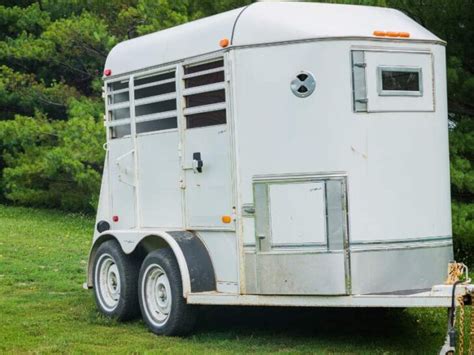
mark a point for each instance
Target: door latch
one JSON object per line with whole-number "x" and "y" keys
{"x": 197, "y": 162}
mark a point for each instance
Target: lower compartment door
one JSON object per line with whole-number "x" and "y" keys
{"x": 301, "y": 235}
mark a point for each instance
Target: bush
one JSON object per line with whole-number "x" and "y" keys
{"x": 55, "y": 164}
{"x": 463, "y": 231}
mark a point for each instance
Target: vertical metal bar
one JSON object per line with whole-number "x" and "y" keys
{"x": 133, "y": 133}
{"x": 236, "y": 197}
{"x": 180, "y": 105}
{"x": 347, "y": 251}
{"x": 359, "y": 86}
{"x": 107, "y": 140}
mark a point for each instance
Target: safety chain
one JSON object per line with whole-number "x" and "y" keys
{"x": 471, "y": 342}
{"x": 461, "y": 323}
{"x": 456, "y": 272}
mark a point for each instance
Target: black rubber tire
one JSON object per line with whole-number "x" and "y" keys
{"x": 128, "y": 268}
{"x": 182, "y": 317}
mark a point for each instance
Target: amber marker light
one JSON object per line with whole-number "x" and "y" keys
{"x": 392, "y": 34}
{"x": 224, "y": 42}
{"x": 226, "y": 219}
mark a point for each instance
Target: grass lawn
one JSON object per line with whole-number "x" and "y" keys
{"x": 43, "y": 308}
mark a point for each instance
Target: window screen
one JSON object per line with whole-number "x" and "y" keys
{"x": 118, "y": 108}
{"x": 204, "y": 94}
{"x": 400, "y": 81}
{"x": 155, "y": 102}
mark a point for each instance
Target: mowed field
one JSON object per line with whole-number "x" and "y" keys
{"x": 43, "y": 308}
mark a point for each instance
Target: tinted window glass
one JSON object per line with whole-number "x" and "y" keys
{"x": 202, "y": 67}
{"x": 205, "y": 98}
{"x": 153, "y": 78}
{"x": 155, "y": 107}
{"x": 119, "y": 114}
{"x": 118, "y": 85}
{"x": 117, "y": 98}
{"x": 205, "y": 79}
{"x": 157, "y": 125}
{"x": 205, "y": 119}
{"x": 393, "y": 80}
{"x": 155, "y": 90}
{"x": 120, "y": 131}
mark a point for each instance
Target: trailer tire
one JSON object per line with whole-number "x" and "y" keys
{"x": 115, "y": 282}
{"x": 162, "y": 304}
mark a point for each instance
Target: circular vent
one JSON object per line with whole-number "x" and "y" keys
{"x": 303, "y": 84}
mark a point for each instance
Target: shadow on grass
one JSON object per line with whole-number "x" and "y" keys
{"x": 386, "y": 328}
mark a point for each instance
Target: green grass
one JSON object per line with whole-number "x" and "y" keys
{"x": 43, "y": 308}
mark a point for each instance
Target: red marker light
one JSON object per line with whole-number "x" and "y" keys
{"x": 107, "y": 72}
{"x": 115, "y": 218}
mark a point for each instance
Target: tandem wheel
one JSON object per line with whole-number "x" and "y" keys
{"x": 115, "y": 282}
{"x": 160, "y": 294}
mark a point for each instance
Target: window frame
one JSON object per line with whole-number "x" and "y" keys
{"x": 156, "y": 99}
{"x": 203, "y": 89}
{"x": 112, "y": 123}
{"x": 415, "y": 93}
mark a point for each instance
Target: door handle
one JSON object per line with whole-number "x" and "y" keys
{"x": 197, "y": 162}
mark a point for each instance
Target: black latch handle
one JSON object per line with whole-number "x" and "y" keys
{"x": 197, "y": 162}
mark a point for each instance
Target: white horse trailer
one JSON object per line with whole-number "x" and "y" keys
{"x": 286, "y": 154}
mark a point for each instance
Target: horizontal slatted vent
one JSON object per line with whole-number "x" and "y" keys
{"x": 204, "y": 94}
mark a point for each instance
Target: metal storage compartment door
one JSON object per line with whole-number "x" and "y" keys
{"x": 297, "y": 214}
{"x": 301, "y": 235}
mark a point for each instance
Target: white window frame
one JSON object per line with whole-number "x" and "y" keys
{"x": 382, "y": 92}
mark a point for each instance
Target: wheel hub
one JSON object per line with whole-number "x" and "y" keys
{"x": 108, "y": 282}
{"x": 157, "y": 294}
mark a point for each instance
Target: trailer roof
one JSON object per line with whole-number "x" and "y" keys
{"x": 260, "y": 23}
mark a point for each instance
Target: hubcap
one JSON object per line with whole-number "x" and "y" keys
{"x": 107, "y": 282}
{"x": 156, "y": 293}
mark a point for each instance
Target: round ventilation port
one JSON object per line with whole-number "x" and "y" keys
{"x": 303, "y": 84}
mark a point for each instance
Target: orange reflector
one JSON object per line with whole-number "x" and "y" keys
{"x": 391, "y": 34}
{"x": 226, "y": 219}
{"x": 224, "y": 42}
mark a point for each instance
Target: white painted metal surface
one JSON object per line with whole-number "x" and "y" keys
{"x": 259, "y": 23}
{"x": 425, "y": 299}
{"x": 298, "y": 213}
{"x": 122, "y": 182}
{"x": 400, "y": 60}
{"x": 159, "y": 175}
{"x": 438, "y": 296}
{"x": 223, "y": 249}
{"x": 208, "y": 194}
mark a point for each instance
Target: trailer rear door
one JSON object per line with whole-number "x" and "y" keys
{"x": 121, "y": 154}
{"x": 206, "y": 147}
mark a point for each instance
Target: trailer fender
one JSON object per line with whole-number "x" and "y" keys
{"x": 198, "y": 260}
{"x": 197, "y": 272}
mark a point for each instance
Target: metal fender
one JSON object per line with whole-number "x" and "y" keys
{"x": 197, "y": 272}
